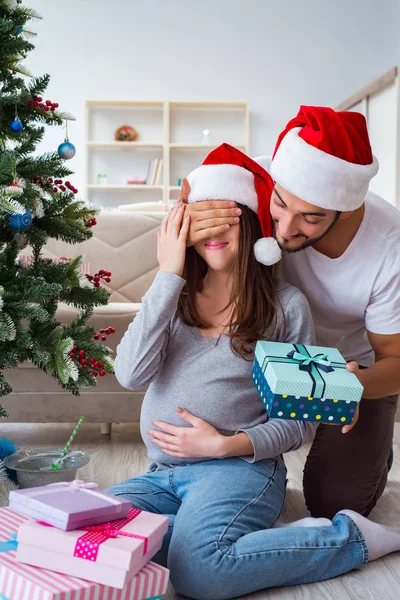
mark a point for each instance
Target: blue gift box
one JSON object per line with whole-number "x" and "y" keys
{"x": 305, "y": 383}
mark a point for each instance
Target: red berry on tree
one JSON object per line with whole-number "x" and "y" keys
{"x": 92, "y": 360}
{"x": 71, "y": 355}
{"x": 83, "y": 362}
{"x": 39, "y": 98}
{"x": 104, "y": 338}
{"x": 74, "y": 348}
{"x": 107, "y": 279}
{"x": 101, "y": 330}
{"x": 82, "y": 353}
{"x": 95, "y": 373}
{"x": 55, "y": 190}
{"x": 48, "y": 103}
{"x": 96, "y": 336}
{"x": 102, "y": 373}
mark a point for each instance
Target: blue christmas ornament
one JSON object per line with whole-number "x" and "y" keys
{"x": 19, "y": 29}
{"x": 16, "y": 125}
{"x": 66, "y": 150}
{"x": 20, "y": 222}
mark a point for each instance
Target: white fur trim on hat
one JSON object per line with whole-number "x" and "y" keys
{"x": 320, "y": 178}
{"x": 267, "y": 251}
{"x": 223, "y": 182}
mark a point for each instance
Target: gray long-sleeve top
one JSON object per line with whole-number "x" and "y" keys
{"x": 203, "y": 375}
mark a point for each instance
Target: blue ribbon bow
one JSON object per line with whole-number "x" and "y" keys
{"x": 306, "y": 362}
{"x": 9, "y": 546}
{"x": 311, "y": 364}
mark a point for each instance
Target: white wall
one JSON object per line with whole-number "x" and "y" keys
{"x": 383, "y": 131}
{"x": 275, "y": 54}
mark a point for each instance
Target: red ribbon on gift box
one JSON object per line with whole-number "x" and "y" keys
{"x": 87, "y": 546}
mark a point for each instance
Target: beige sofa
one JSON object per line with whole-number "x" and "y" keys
{"x": 125, "y": 244}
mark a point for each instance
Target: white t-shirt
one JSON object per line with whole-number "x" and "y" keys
{"x": 358, "y": 291}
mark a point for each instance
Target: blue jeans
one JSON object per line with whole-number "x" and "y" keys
{"x": 219, "y": 544}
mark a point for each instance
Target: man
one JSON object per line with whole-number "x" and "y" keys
{"x": 341, "y": 248}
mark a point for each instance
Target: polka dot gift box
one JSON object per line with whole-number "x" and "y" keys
{"x": 305, "y": 383}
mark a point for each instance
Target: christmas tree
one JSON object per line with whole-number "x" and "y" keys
{"x": 35, "y": 205}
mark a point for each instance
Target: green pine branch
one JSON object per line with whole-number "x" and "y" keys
{"x": 30, "y": 329}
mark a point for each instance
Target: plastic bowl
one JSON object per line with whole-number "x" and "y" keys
{"x": 28, "y": 464}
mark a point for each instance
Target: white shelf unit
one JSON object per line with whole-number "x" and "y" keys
{"x": 172, "y": 131}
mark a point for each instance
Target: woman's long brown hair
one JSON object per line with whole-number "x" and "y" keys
{"x": 253, "y": 297}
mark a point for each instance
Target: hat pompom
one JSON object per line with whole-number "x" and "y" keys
{"x": 267, "y": 251}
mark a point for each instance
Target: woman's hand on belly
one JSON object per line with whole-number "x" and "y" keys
{"x": 201, "y": 440}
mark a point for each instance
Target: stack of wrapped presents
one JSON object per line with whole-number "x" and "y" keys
{"x": 72, "y": 541}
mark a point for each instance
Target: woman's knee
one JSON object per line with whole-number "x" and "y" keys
{"x": 197, "y": 571}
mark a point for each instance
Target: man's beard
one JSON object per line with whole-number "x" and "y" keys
{"x": 309, "y": 241}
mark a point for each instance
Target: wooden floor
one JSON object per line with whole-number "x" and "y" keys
{"x": 122, "y": 455}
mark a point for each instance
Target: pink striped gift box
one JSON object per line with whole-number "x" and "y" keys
{"x": 22, "y": 582}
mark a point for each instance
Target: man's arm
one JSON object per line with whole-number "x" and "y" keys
{"x": 208, "y": 218}
{"x": 383, "y": 377}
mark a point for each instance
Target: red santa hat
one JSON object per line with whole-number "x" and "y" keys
{"x": 228, "y": 174}
{"x": 324, "y": 157}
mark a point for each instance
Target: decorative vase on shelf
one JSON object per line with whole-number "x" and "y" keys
{"x": 206, "y": 137}
{"x": 102, "y": 179}
{"x": 126, "y": 133}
